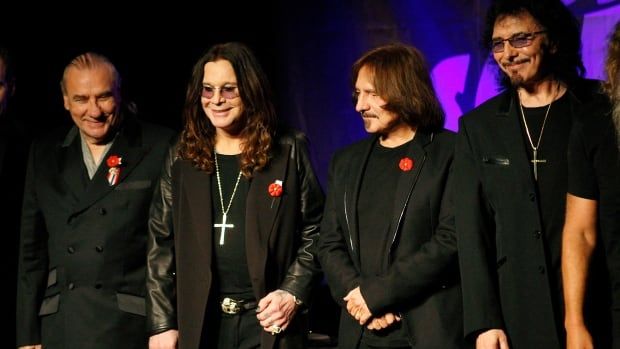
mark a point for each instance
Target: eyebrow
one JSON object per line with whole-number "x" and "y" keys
{"x": 224, "y": 84}
{"x": 513, "y": 35}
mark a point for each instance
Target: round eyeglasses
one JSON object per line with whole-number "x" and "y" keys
{"x": 226, "y": 91}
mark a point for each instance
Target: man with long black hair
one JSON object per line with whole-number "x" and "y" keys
{"x": 511, "y": 176}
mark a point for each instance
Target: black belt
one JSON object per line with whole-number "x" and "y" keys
{"x": 233, "y": 306}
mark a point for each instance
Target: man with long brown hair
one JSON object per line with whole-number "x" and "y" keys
{"x": 235, "y": 219}
{"x": 387, "y": 246}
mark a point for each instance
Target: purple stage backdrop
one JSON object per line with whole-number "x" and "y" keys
{"x": 321, "y": 40}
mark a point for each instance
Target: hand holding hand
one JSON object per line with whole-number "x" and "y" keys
{"x": 276, "y": 310}
{"x": 356, "y": 306}
{"x": 381, "y": 322}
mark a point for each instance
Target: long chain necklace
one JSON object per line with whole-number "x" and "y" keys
{"x": 223, "y": 225}
{"x": 535, "y": 160}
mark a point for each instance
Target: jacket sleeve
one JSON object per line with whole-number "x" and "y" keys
{"x": 341, "y": 274}
{"x": 160, "y": 280}
{"x": 424, "y": 269}
{"x": 33, "y": 261}
{"x": 305, "y": 270}
{"x": 476, "y": 242}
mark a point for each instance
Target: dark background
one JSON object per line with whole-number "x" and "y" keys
{"x": 306, "y": 48}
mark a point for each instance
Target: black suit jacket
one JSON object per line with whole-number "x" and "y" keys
{"x": 421, "y": 278}
{"x": 83, "y": 243}
{"x": 505, "y": 263}
{"x": 281, "y": 236}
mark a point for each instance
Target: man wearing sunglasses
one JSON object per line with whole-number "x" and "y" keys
{"x": 510, "y": 167}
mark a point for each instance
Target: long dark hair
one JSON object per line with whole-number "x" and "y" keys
{"x": 401, "y": 77}
{"x": 197, "y": 142}
{"x": 562, "y": 29}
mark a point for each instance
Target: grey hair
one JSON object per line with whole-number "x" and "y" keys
{"x": 90, "y": 60}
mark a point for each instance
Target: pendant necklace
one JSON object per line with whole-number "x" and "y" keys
{"x": 224, "y": 225}
{"x": 535, "y": 160}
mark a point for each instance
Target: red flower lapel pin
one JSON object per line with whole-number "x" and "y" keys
{"x": 406, "y": 164}
{"x": 275, "y": 188}
{"x": 114, "y": 163}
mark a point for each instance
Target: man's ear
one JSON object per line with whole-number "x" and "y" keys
{"x": 65, "y": 100}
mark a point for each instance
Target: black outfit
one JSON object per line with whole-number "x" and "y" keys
{"x": 280, "y": 236}
{"x": 594, "y": 173}
{"x": 411, "y": 268}
{"x": 83, "y": 241}
{"x": 508, "y": 225}
{"x": 376, "y": 201}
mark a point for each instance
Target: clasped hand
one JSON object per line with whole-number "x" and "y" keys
{"x": 276, "y": 310}
{"x": 357, "y": 308}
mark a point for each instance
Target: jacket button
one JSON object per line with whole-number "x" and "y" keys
{"x": 537, "y": 234}
{"x": 99, "y": 249}
{"x": 71, "y": 286}
{"x": 102, "y": 211}
{"x": 98, "y": 286}
{"x": 532, "y": 196}
{"x": 541, "y": 269}
{"x": 70, "y": 249}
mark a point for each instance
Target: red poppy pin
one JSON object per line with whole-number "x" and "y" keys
{"x": 406, "y": 164}
{"x": 275, "y": 188}
{"x": 114, "y": 163}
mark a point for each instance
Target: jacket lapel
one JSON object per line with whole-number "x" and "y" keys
{"x": 127, "y": 145}
{"x": 197, "y": 187}
{"x": 357, "y": 165}
{"x": 407, "y": 180}
{"x": 509, "y": 131}
{"x": 261, "y": 211}
{"x": 71, "y": 166}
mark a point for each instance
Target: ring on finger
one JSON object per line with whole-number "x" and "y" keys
{"x": 275, "y": 329}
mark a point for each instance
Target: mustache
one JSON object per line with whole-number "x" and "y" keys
{"x": 366, "y": 114}
{"x": 513, "y": 63}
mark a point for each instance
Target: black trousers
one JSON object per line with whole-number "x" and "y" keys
{"x": 241, "y": 331}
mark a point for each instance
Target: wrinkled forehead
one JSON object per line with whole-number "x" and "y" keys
{"x": 101, "y": 75}
{"x": 510, "y": 24}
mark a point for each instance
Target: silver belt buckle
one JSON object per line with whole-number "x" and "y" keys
{"x": 230, "y": 306}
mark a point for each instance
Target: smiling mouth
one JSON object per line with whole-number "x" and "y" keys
{"x": 514, "y": 64}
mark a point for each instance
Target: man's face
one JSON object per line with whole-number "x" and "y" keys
{"x": 5, "y": 88}
{"x": 524, "y": 65}
{"x": 370, "y": 105}
{"x": 93, "y": 100}
{"x": 225, "y": 107}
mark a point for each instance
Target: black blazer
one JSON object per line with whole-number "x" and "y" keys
{"x": 281, "y": 236}
{"x": 421, "y": 278}
{"x": 83, "y": 243}
{"x": 505, "y": 264}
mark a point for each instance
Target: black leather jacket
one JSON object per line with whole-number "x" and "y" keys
{"x": 298, "y": 278}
